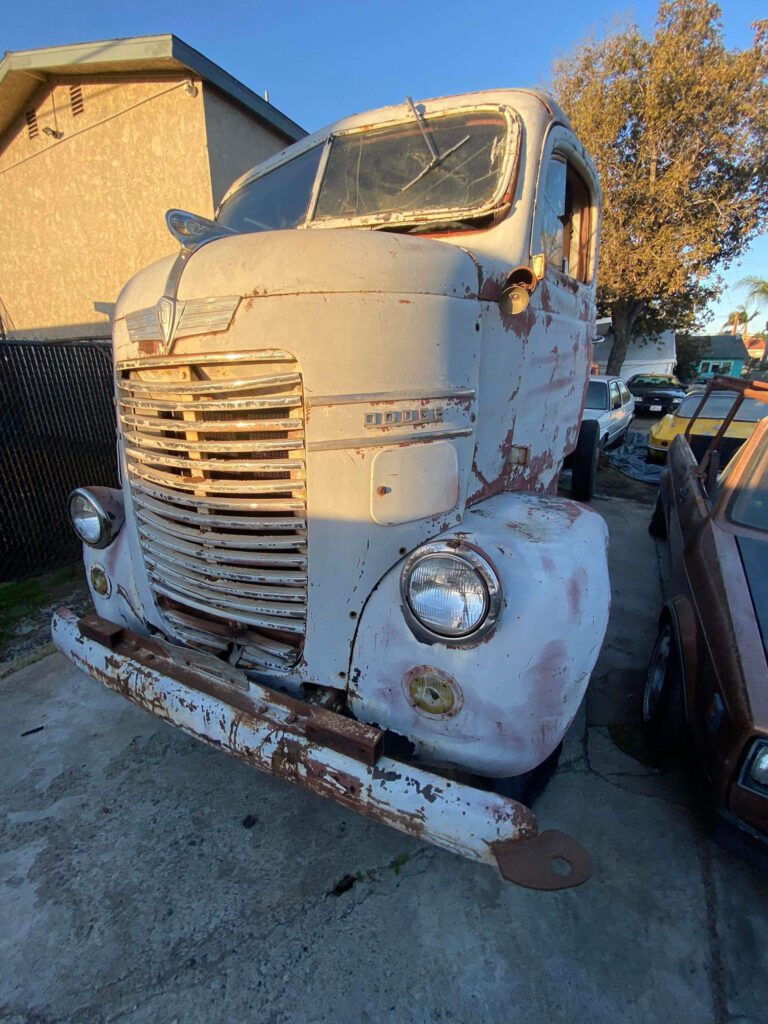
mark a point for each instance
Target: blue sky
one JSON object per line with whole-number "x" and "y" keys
{"x": 322, "y": 61}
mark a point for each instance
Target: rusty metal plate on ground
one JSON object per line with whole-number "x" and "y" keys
{"x": 551, "y": 860}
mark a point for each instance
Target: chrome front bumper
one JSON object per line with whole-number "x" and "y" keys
{"x": 330, "y": 754}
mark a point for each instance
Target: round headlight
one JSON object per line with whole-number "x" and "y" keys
{"x": 449, "y": 593}
{"x": 759, "y": 769}
{"x": 84, "y": 513}
{"x": 97, "y": 515}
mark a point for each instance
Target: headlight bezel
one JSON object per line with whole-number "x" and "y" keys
{"x": 108, "y": 506}
{"x": 475, "y": 560}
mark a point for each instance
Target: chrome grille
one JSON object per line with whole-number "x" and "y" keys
{"x": 214, "y": 447}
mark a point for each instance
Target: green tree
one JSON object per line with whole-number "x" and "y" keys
{"x": 678, "y": 128}
{"x": 757, "y": 289}
{"x": 738, "y": 321}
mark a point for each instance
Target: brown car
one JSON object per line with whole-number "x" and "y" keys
{"x": 707, "y": 680}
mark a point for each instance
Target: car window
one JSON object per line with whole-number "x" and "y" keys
{"x": 717, "y": 407}
{"x": 597, "y": 395}
{"x": 625, "y": 395}
{"x": 565, "y": 220}
{"x": 615, "y": 395}
{"x": 658, "y": 381}
{"x": 749, "y": 505}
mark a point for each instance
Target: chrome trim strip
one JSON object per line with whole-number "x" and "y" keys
{"x": 386, "y": 439}
{"x": 264, "y": 355}
{"x": 419, "y": 394}
{"x": 207, "y": 387}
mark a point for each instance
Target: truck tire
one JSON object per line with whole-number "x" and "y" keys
{"x": 663, "y": 698}
{"x": 527, "y": 788}
{"x": 584, "y": 461}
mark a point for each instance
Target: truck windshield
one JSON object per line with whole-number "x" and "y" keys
{"x": 449, "y": 165}
{"x": 395, "y": 170}
{"x": 278, "y": 199}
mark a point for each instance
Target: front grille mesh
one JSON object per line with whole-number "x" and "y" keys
{"x": 215, "y": 454}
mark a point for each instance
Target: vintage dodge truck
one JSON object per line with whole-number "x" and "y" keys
{"x": 343, "y": 407}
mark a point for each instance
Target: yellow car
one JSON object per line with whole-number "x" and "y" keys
{"x": 663, "y": 433}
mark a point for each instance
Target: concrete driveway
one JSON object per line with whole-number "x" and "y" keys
{"x": 147, "y": 878}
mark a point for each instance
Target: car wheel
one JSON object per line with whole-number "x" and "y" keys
{"x": 584, "y": 461}
{"x": 658, "y": 524}
{"x": 663, "y": 702}
{"x": 527, "y": 788}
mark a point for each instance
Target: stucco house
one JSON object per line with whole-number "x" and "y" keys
{"x": 97, "y": 141}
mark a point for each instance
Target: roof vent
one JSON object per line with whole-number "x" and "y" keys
{"x": 76, "y": 99}
{"x": 32, "y": 128}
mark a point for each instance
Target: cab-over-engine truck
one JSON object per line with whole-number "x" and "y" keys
{"x": 338, "y": 552}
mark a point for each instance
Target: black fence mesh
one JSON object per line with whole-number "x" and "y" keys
{"x": 57, "y": 432}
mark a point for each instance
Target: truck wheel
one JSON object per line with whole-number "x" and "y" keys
{"x": 527, "y": 788}
{"x": 584, "y": 461}
{"x": 663, "y": 700}
{"x": 658, "y": 524}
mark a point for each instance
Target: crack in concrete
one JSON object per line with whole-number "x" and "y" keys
{"x": 716, "y": 973}
{"x": 196, "y": 963}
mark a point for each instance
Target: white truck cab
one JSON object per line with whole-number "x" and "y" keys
{"x": 342, "y": 408}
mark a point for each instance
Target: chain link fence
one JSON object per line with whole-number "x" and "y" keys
{"x": 57, "y": 432}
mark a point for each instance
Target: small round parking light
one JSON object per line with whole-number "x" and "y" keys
{"x": 432, "y": 691}
{"x": 100, "y": 581}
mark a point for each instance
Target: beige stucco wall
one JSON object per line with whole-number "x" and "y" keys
{"x": 236, "y": 142}
{"x": 80, "y": 215}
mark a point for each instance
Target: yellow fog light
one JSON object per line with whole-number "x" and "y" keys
{"x": 432, "y": 691}
{"x": 100, "y": 581}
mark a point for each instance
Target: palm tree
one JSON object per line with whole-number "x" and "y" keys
{"x": 757, "y": 289}
{"x": 738, "y": 320}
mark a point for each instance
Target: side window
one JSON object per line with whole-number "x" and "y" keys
{"x": 565, "y": 220}
{"x": 615, "y": 396}
{"x": 625, "y": 395}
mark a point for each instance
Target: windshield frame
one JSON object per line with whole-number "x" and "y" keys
{"x": 501, "y": 197}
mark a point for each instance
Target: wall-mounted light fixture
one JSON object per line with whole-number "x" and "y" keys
{"x": 54, "y": 133}
{"x": 191, "y": 88}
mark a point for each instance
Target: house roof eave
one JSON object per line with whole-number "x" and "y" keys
{"x": 23, "y": 71}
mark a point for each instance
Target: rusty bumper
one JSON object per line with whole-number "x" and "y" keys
{"x": 330, "y": 754}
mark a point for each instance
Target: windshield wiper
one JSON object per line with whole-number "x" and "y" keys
{"x": 436, "y": 158}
